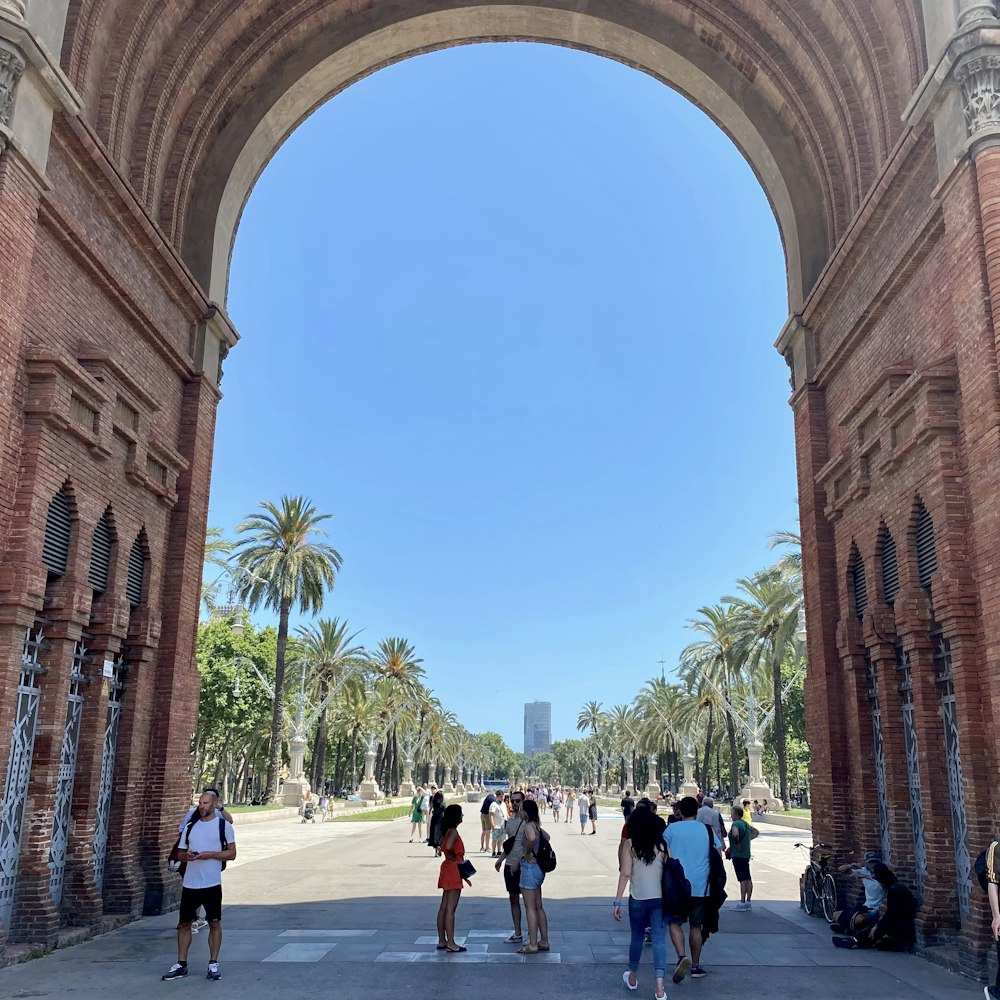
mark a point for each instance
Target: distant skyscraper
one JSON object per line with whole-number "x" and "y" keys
{"x": 537, "y": 727}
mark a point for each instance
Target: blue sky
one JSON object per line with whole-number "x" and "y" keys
{"x": 507, "y": 313}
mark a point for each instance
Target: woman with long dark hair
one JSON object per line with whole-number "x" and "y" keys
{"x": 450, "y": 881}
{"x": 532, "y": 878}
{"x": 640, "y": 866}
{"x": 437, "y": 813}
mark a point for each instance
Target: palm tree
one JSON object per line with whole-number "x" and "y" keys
{"x": 790, "y": 562}
{"x": 396, "y": 662}
{"x": 590, "y": 718}
{"x": 768, "y": 611}
{"x": 326, "y": 653}
{"x": 283, "y": 566}
{"x": 217, "y": 552}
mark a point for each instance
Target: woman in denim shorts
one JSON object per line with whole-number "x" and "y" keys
{"x": 532, "y": 878}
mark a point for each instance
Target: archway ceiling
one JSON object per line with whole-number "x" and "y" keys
{"x": 163, "y": 80}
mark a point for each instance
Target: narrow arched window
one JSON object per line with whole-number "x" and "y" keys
{"x": 926, "y": 547}
{"x": 135, "y": 581}
{"x": 58, "y": 531}
{"x": 859, "y": 585}
{"x": 890, "y": 567}
{"x": 100, "y": 554}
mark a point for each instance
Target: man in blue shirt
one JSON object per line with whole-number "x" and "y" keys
{"x": 690, "y": 843}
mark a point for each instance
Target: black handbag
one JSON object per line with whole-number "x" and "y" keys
{"x": 508, "y": 844}
{"x": 466, "y": 869}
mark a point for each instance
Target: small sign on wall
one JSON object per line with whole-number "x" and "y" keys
{"x": 109, "y": 669}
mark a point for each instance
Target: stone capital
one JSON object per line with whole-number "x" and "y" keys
{"x": 797, "y": 345}
{"x": 11, "y": 69}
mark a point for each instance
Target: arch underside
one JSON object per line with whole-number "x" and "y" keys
{"x": 192, "y": 99}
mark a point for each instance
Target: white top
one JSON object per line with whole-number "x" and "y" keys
{"x": 205, "y": 837}
{"x": 646, "y": 881}
{"x": 498, "y": 815}
{"x": 583, "y": 804}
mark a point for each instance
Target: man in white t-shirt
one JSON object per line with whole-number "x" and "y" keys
{"x": 207, "y": 840}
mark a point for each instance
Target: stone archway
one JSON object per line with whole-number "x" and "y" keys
{"x": 131, "y": 135}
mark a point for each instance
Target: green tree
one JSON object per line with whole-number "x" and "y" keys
{"x": 501, "y": 755}
{"x": 284, "y": 565}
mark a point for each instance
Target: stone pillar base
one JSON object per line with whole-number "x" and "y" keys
{"x": 761, "y": 793}
{"x": 293, "y": 791}
{"x": 688, "y": 788}
{"x": 370, "y": 792}
{"x": 460, "y": 789}
{"x": 614, "y": 790}
{"x": 407, "y": 790}
{"x": 653, "y": 790}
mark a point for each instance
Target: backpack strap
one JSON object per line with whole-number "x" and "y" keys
{"x": 187, "y": 831}
{"x": 991, "y": 863}
{"x": 222, "y": 833}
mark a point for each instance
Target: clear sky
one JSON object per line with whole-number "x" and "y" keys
{"x": 507, "y": 312}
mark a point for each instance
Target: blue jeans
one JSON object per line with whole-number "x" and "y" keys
{"x": 643, "y": 913}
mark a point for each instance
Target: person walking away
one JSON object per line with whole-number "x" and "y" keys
{"x": 485, "y": 823}
{"x": 688, "y": 842}
{"x": 556, "y": 803}
{"x": 854, "y": 920}
{"x": 498, "y": 825}
{"x": 583, "y": 806}
{"x": 570, "y": 805}
{"x": 592, "y": 812}
{"x": 640, "y": 866}
{"x": 417, "y": 819}
{"x": 711, "y": 817}
{"x": 449, "y": 879}
{"x": 740, "y": 835}
{"x": 531, "y": 881}
{"x": 510, "y": 861}
{"x": 434, "y": 823}
{"x": 425, "y": 808}
{"x": 628, "y": 804}
{"x": 207, "y": 841}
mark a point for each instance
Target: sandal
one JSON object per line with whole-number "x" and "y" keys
{"x": 528, "y": 950}
{"x": 514, "y": 939}
{"x": 442, "y": 947}
{"x": 544, "y": 947}
{"x": 455, "y": 951}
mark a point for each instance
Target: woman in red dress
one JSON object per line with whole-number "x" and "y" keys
{"x": 449, "y": 880}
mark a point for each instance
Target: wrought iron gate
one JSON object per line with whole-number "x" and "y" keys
{"x": 22, "y": 747}
{"x": 116, "y": 689}
{"x": 912, "y": 770}
{"x": 880, "y": 785}
{"x": 953, "y": 760}
{"x": 67, "y": 772}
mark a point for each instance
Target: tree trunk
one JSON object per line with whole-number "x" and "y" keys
{"x": 734, "y": 754}
{"x": 277, "y": 714}
{"x": 779, "y": 733}
{"x": 707, "y": 760}
{"x": 319, "y": 751}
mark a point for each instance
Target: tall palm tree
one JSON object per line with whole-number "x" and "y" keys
{"x": 768, "y": 609}
{"x": 326, "y": 652}
{"x": 790, "y": 562}
{"x": 283, "y": 565}
{"x": 217, "y": 552}
{"x": 590, "y": 718}
{"x": 396, "y": 662}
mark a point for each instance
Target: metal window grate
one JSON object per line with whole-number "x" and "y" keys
{"x": 100, "y": 554}
{"x": 859, "y": 585}
{"x": 926, "y": 547}
{"x": 890, "y": 568}
{"x": 58, "y": 531}
{"x": 136, "y": 580}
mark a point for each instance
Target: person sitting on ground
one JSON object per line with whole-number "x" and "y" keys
{"x": 852, "y": 920}
{"x": 892, "y": 929}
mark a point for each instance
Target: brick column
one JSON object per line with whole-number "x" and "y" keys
{"x": 824, "y": 698}
{"x": 176, "y": 680}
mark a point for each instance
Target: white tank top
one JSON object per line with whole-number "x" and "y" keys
{"x": 646, "y": 881}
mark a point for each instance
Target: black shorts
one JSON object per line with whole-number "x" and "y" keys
{"x": 696, "y": 917}
{"x": 741, "y": 867}
{"x": 210, "y": 898}
{"x": 512, "y": 880}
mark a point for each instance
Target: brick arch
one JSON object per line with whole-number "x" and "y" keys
{"x": 192, "y": 99}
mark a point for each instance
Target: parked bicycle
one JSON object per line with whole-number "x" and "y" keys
{"x": 819, "y": 887}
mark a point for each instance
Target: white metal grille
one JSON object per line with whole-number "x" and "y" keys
{"x": 67, "y": 773}
{"x": 116, "y": 689}
{"x": 880, "y": 785}
{"x": 912, "y": 770}
{"x": 956, "y": 789}
{"x": 22, "y": 746}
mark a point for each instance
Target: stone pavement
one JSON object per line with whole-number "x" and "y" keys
{"x": 348, "y": 909}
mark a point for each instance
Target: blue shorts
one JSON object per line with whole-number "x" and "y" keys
{"x": 532, "y": 876}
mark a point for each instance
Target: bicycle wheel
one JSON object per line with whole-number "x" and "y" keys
{"x": 829, "y": 896}
{"x": 810, "y": 893}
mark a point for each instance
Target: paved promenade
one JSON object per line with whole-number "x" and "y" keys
{"x": 348, "y": 910}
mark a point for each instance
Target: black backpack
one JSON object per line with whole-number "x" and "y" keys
{"x": 544, "y": 854}
{"x": 986, "y": 866}
{"x": 675, "y": 889}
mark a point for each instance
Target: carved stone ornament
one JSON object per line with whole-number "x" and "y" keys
{"x": 11, "y": 68}
{"x": 979, "y": 79}
{"x": 15, "y": 7}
